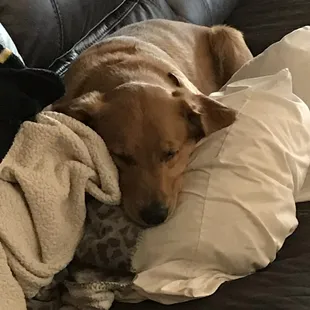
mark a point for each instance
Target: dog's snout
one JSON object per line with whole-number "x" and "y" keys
{"x": 154, "y": 214}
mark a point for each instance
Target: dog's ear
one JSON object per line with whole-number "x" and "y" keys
{"x": 206, "y": 115}
{"x": 82, "y": 108}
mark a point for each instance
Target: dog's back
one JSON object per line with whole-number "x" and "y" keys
{"x": 203, "y": 54}
{"x": 207, "y": 57}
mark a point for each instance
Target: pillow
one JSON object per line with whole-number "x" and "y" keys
{"x": 292, "y": 52}
{"x": 237, "y": 204}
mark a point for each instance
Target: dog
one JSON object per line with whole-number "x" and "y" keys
{"x": 145, "y": 90}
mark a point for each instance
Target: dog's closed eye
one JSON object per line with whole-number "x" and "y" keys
{"x": 174, "y": 79}
{"x": 169, "y": 155}
{"x": 124, "y": 159}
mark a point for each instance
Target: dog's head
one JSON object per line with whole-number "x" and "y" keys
{"x": 150, "y": 132}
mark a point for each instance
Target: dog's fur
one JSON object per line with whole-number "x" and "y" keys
{"x": 144, "y": 90}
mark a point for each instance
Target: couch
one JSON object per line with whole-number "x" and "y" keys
{"x": 51, "y": 34}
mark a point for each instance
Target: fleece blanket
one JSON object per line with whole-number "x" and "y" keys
{"x": 44, "y": 177}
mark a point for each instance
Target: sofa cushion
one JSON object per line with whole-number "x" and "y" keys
{"x": 205, "y": 12}
{"x": 44, "y": 30}
{"x": 267, "y": 21}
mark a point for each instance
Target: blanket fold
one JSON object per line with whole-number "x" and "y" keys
{"x": 43, "y": 180}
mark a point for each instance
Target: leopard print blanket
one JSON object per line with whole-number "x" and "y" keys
{"x": 100, "y": 268}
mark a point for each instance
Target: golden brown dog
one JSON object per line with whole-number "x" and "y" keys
{"x": 144, "y": 91}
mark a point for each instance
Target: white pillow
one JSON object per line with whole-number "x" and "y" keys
{"x": 292, "y": 52}
{"x": 237, "y": 204}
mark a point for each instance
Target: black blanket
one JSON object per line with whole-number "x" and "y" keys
{"x": 24, "y": 92}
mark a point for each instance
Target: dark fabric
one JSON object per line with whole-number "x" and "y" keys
{"x": 45, "y": 29}
{"x": 267, "y": 21}
{"x": 284, "y": 285}
{"x": 23, "y": 93}
{"x": 208, "y": 12}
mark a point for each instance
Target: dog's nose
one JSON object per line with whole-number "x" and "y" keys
{"x": 154, "y": 214}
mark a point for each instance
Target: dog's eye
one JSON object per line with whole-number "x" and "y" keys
{"x": 126, "y": 159}
{"x": 167, "y": 156}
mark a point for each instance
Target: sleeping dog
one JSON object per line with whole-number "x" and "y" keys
{"x": 144, "y": 91}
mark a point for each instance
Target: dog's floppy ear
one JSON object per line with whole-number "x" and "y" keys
{"x": 82, "y": 108}
{"x": 205, "y": 115}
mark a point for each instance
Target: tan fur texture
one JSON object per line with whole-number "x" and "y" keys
{"x": 144, "y": 91}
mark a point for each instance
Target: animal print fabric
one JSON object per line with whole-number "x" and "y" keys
{"x": 101, "y": 266}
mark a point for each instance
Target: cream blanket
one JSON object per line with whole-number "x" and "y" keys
{"x": 43, "y": 181}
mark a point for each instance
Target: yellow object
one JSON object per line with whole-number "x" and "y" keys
{"x": 4, "y": 55}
